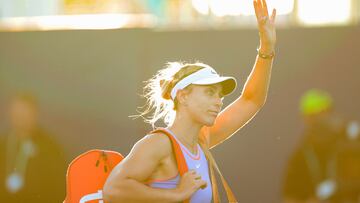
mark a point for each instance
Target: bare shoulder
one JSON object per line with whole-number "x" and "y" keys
{"x": 148, "y": 153}
{"x": 158, "y": 143}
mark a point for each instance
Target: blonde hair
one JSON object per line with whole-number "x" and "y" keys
{"x": 158, "y": 88}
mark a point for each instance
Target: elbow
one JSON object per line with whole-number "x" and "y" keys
{"x": 112, "y": 193}
{"x": 258, "y": 103}
{"x": 258, "y": 100}
{"x": 108, "y": 194}
{"x": 261, "y": 103}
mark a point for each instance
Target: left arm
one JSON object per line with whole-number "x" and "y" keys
{"x": 253, "y": 97}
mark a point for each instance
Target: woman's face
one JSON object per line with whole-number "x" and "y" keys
{"x": 204, "y": 103}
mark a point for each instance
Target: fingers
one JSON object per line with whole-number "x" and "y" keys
{"x": 264, "y": 8}
{"x": 273, "y": 15}
{"x": 197, "y": 177}
{"x": 195, "y": 174}
{"x": 203, "y": 184}
{"x": 261, "y": 10}
{"x": 256, "y": 8}
{"x": 192, "y": 173}
{"x": 258, "y": 11}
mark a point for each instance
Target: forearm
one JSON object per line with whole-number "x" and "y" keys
{"x": 132, "y": 191}
{"x": 257, "y": 83}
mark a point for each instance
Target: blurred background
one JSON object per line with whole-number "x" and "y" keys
{"x": 72, "y": 72}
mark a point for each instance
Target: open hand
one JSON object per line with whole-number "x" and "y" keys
{"x": 266, "y": 26}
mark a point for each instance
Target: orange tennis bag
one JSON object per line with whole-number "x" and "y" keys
{"x": 87, "y": 173}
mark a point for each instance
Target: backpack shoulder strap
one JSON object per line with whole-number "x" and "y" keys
{"x": 179, "y": 156}
{"x": 180, "y": 160}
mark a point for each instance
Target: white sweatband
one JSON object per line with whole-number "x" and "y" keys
{"x": 203, "y": 73}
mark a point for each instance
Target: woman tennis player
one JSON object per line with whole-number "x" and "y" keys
{"x": 189, "y": 99}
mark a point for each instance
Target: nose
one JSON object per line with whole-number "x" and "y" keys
{"x": 219, "y": 102}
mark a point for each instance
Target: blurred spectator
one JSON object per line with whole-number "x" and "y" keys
{"x": 32, "y": 164}
{"x": 324, "y": 168}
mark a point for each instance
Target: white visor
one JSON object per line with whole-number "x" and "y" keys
{"x": 205, "y": 76}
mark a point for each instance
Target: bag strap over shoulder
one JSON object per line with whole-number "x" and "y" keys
{"x": 229, "y": 193}
{"x": 179, "y": 156}
{"x": 182, "y": 167}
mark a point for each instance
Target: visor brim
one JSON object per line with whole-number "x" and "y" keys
{"x": 228, "y": 83}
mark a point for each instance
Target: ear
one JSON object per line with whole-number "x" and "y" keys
{"x": 182, "y": 96}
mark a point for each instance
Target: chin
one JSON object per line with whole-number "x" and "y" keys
{"x": 209, "y": 122}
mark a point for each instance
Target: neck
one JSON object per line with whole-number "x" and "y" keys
{"x": 186, "y": 130}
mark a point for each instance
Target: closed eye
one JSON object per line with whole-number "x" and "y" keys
{"x": 211, "y": 91}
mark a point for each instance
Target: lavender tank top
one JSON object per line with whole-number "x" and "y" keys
{"x": 196, "y": 162}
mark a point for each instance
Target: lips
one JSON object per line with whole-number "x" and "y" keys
{"x": 214, "y": 113}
